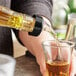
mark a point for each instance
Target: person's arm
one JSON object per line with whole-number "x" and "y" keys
{"x": 34, "y": 44}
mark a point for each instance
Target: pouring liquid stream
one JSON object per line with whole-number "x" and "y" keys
{"x": 51, "y": 31}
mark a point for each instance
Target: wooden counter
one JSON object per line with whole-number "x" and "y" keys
{"x": 27, "y": 66}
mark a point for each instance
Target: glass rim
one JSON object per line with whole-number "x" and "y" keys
{"x": 71, "y": 44}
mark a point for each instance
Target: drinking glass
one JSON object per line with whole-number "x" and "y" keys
{"x": 7, "y": 65}
{"x": 58, "y": 57}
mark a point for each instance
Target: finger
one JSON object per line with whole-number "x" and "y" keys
{"x": 41, "y": 62}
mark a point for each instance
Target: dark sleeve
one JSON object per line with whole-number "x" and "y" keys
{"x": 32, "y": 7}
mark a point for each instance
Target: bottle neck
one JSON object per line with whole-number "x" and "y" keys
{"x": 38, "y": 26}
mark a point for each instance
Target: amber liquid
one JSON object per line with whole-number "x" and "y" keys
{"x": 58, "y": 68}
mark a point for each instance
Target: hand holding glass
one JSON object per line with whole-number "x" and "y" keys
{"x": 58, "y": 66}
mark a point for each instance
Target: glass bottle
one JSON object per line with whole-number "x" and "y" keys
{"x": 20, "y": 21}
{"x": 33, "y": 25}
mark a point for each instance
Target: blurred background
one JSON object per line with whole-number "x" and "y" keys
{"x": 60, "y": 17}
